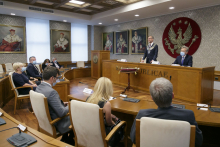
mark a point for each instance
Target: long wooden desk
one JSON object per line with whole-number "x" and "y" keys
{"x": 189, "y": 83}
{"x": 42, "y": 139}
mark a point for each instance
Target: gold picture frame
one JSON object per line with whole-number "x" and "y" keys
{"x": 59, "y": 45}
{"x": 12, "y": 43}
{"x": 110, "y": 46}
{"x": 138, "y": 44}
{"x": 121, "y": 48}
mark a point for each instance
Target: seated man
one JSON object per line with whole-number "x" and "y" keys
{"x": 161, "y": 91}
{"x": 32, "y": 70}
{"x": 55, "y": 63}
{"x": 184, "y": 59}
{"x": 57, "y": 107}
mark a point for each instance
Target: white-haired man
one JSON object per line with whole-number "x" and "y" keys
{"x": 184, "y": 59}
{"x": 55, "y": 63}
{"x": 161, "y": 91}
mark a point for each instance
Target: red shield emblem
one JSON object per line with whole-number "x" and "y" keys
{"x": 179, "y": 32}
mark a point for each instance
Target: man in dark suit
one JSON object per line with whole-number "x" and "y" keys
{"x": 161, "y": 91}
{"x": 32, "y": 70}
{"x": 151, "y": 51}
{"x": 184, "y": 59}
{"x": 57, "y": 107}
{"x": 55, "y": 63}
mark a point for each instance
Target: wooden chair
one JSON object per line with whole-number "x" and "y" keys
{"x": 88, "y": 125}
{"x": 80, "y": 64}
{"x": 155, "y": 132}
{"x": 8, "y": 67}
{"x": 17, "y": 95}
{"x": 40, "y": 107}
{"x": 1, "y": 69}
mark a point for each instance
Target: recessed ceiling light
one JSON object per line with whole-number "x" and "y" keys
{"x": 76, "y": 2}
{"x": 12, "y": 13}
{"x": 100, "y": 23}
{"x": 136, "y": 15}
{"x": 171, "y": 8}
{"x": 64, "y": 20}
{"x": 116, "y": 19}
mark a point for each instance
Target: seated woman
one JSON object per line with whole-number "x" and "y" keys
{"x": 21, "y": 80}
{"x": 46, "y": 63}
{"x": 102, "y": 91}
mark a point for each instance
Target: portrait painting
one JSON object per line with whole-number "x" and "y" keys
{"x": 12, "y": 39}
{"x": 121, "y": 45}
{"x": 138, "y": 40}
{"x": 108, "y": 41}
{"x": 60, "y": 41}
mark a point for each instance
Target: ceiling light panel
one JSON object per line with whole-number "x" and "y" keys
{"x": 77, "y": 2}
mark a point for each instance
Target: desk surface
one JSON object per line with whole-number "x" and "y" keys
{"x": 42, "y": 139}
{"x": 207, "y": 118}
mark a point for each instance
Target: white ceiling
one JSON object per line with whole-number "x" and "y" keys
{"x": 146, "y": 9}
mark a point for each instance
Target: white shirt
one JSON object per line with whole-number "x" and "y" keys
{"x": 47, "y": 83}
{"x": 57, "y": 66}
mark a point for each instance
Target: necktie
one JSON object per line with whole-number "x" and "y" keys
{"x": 37, "y": 69}
{"x": 182, "y": 59}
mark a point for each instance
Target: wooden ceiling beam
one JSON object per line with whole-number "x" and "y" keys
{"x": 33, "y": 1}
{"x": 60, "y": 4}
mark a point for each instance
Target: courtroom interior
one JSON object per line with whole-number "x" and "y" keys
{"x": 110, "y": 73}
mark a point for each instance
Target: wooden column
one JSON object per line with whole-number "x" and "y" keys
{"x": 96, "y": 62}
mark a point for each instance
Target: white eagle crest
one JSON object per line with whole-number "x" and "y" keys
{"x": 180, "y": 41}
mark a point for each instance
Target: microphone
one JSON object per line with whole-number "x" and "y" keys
{"x": 170, "y": 78}
{"x": 204, "y": 106}
{"x": 12, "y": 128}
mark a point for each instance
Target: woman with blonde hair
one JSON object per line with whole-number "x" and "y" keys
{"x": 20, "y": 79}
{"x": 102, "y": 91}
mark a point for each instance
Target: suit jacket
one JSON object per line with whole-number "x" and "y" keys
{"x": 152, "y": 55}
{"x": 32, "y": 71}
{"x": 169, "y": 113}
{"x": 56, "y": 107}
{"x": 57, "y": 64}
{"x": 187, "y": 61}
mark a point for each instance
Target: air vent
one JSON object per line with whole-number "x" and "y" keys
{"x": 1, "y": 3}
{"x": 46, "y": 10}
{"x": 34, "y": 8}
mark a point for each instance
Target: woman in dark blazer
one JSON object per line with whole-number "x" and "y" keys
{"x": 46, "y": 63}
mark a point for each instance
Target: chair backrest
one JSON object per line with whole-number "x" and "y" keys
{"x": 41, "y": 111}
{"x": 12, "y": 82}
{"x": 37, "y": 65}
{"x": 144, "y": 59}
{"x": 85, "y": 119}
{"x": 1, "y": 69}
{"x": 155, "y": 132}
{"x": 80, "y": 64}
{"x": 41, "y": 69}
{"x": 8, "y": 67}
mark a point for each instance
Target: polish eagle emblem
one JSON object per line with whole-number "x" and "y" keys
{"x": 179, "y": 39}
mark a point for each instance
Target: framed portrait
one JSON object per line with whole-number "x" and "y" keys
{"x": 121, "y": 42}
{"x": 60, "y": 41}
{"x": 12, "y": 39}
{"x": 108, "y": 41}
{"x": 138, "y": 40}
